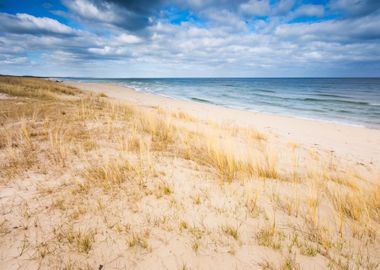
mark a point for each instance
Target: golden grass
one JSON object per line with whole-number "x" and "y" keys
{"x": 34, "y": 88}
{"x": 104, "y": 159}
{"x": 269, "y": 237}
{"x": 81, "y": 241}
{"x": 160, "y": 129}
{"x": 139, "y": 239}
{"x": 109, "y": 175}
{"x": 231, "y": 231}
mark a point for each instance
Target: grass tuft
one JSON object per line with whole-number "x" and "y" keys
{"x": 231, "y": 231}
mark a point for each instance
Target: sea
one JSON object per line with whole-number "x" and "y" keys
{"x": 352, "y": 101}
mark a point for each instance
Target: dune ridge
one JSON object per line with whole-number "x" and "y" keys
{"x": 112, "y": 179}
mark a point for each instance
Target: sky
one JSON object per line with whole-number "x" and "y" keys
{"x": 194, "y": 38}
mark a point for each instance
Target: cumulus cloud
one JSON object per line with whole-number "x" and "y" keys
{"x": 346, "y": 31}
{"x": 130, "y": 15}
{"x": 207, "y": 4}
{"x": 27, "y": 24}
{"x": 228, "y": 38}
{"x": 255, "y": 7}
{"x": 283, "y": 6}
{"x": 226, "y": 20}
{"x": 128, "y": 39}
{"x": 310, "y": 11}
{"x": 356, "y": 7}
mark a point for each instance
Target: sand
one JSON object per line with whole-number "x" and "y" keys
{"x": 351, "y": 143}
{"x": 4, "y": 96}
{"x": 151, "y": 182}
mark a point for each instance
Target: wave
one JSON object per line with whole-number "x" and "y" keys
{"x": 331, "y": 95}
{"x": 202, "y": 100}
{"x": 336, "y": 101}
{"x": 264, "y": 90}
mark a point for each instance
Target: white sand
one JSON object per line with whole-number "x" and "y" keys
{"x": 173, "y": 213}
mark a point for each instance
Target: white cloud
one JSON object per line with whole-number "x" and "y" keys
{"x": 89, "y": 10}
{"x": 128, "y": 39}
{"x": 228, "y": 42}
{"x": 282, "y": 7}
{"x": 103, "y": 51}
{"x": 255, "y": 7}
{"x": 130, "y": 15}
{"x": 309, "y": 11}
{"x": 353, "y": 30}
{"x": 355, "y": 7}
{"x": 226, "y": 20}
{"x": 15, "y": 61}
{"x": 25, "y": 23}
{"x": 29, "y": 21}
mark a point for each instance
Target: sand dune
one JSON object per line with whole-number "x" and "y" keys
{"x": 116, "y": 179}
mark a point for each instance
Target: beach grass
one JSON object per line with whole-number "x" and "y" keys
{"x": 93, "y": 181}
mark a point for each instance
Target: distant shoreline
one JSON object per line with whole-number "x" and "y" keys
{"x": 206, "y": 102}
{"x": 311, "y": 106}
{"x": 336, "y": 137}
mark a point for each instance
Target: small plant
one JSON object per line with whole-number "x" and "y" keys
{"x": 101, "y": 94}
{"x": 197, "y": 199}
{"x": 308, "y": 250}
{"x": 43, "y": 250}
{"x": 223, "y": 160}
{"x": 290, "y": 263}
{"x": 163, "y": 189}
{"x": 59, "y": 204}
{"x": 195, "y": 245}
{"x": 267, "y": 265}
{"x": 109, "y": 175}
{"x": 252, "y": 206}
{"x": 183, "y": 225}
{"x": 231, "y": 231}
{"x": 84, "y": 241}
{"x": 139, "y": 239}
{"x": 269, "y": 237}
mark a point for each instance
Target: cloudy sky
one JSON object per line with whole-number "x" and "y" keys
{"x": 178, "y": 38}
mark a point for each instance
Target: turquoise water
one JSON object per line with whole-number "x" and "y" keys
{"x": 354, "y": 101}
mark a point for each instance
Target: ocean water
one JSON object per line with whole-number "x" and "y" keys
{"x": 354, "y": 101}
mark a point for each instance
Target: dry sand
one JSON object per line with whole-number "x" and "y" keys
{"x": 352, "y": 143}
{"x": 90, "y": 183}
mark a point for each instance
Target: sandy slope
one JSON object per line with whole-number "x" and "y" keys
{"x": 352, "y": 143}
{"x": 87, "y": 182}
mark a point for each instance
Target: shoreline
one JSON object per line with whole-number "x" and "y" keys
{"x": 341, "y": 105}
{"x": 350, "y": 142}
{"x": 253, "y": 111}
{"x": 207, "y": 102}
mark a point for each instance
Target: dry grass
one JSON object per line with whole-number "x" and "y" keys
{"x": 80, "y": 170}
{"x": 110, "y": 175}
{"x": 81, "y": 241}
{"x": 269, "y": 237}
{"x": 35, "y": 88}
{"x": 139, "y": 239}
{"x": 231, "y": 231}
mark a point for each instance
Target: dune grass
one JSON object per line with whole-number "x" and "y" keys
{"x": 88, "y": 175}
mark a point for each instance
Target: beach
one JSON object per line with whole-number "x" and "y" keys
{"x": 190, "y": 135}
{"x": 357, "y": 144}
{"x": 100, "y": 176}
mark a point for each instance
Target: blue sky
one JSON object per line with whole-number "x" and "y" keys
{"x": 177, "y": 38}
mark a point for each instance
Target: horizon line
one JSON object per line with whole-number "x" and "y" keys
{"x": 203, "y": 77}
